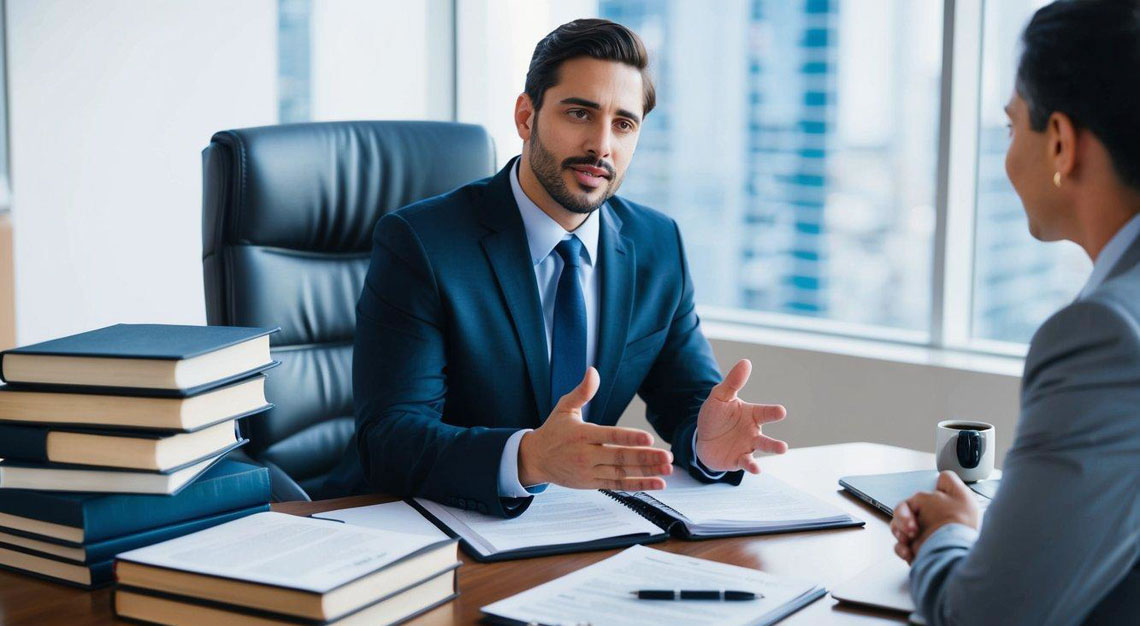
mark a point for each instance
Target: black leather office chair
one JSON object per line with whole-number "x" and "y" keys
{"x": 287, "y": 218}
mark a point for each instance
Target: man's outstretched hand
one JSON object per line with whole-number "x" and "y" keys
{"x": 728, "y": 428}
{"x": 570, "y": 452}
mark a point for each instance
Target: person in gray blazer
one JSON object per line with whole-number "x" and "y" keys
{"x": 1061, "y": 541}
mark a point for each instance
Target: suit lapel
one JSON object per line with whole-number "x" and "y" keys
{"x": 506, "y": 249}
{"x": 617, "y": 263}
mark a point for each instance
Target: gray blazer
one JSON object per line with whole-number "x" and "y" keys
{"x": 1061, "y": 540}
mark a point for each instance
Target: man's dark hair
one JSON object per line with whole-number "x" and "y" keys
{"x": 596, "y": 38}
{"x": 1082, "y": 58}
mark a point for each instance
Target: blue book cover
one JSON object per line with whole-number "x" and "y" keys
{"x": 227, "y": 486}
{"x": 104, "y": 550}
{"x": 151, "y": 342}
{"x": 166, "y": 342}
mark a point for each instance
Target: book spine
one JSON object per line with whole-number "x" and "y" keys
{"x": 122, "y": 515}
{"x": 23, "y": 443}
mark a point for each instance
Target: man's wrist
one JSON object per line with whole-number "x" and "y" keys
{"x": 528, "y": 473}
{"x": 701, "y": 467}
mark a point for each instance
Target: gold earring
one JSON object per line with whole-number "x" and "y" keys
{"x": 1057, "y": 180}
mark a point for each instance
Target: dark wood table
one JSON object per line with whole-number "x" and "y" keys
{"x": 829, "y": 557}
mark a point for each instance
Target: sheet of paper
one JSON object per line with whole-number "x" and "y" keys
{"x": 601, "y": 593}
{"x": 285, "y": 550}
{"x": 397, "y": 516}
{"x": 556, "y": 516}
{"x": 758, "y": 498}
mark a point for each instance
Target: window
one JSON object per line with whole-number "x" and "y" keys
{"x": 795, "y": 143}
{"x": 335, "y": 60}
{"x": 835, "y": 165}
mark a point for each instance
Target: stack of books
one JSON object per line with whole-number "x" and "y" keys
{"x": 115, "y": 438}
{"x": 274, "y": 568}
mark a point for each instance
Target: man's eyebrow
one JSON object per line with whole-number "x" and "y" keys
{"x": 590, "y": 104}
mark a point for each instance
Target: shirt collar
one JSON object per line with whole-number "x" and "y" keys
{"x": 1111, "y": 254}
{"x": 543, "y": 233}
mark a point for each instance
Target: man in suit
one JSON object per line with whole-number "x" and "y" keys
{"x": 1061, "y": 541}
{"x": 505, "y": 326}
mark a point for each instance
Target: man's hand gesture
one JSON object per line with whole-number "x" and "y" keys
{"x": 728, "y": 428}
{"x": 570, "y": 452}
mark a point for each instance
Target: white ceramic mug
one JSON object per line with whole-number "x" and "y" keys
{"x": 965, "y": 448}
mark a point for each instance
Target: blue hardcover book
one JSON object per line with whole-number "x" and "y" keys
{"x": 150, "y": 359}
{"x": 104, "y": 550}
{"x": 78, "y": 518}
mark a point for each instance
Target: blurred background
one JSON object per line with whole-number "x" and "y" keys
{"x": 836, "y": 166}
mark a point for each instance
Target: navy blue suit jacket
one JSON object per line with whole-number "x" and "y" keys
{"x": 450, "y": 353}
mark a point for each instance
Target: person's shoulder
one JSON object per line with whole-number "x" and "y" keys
{"x": 1094, "y": 338}
{"x": 440, "y": 209}
{"x": 636, "y": 218}
{"x": 438, "y": 215}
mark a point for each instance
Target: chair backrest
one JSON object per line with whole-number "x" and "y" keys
{"x": 287, "y": 220}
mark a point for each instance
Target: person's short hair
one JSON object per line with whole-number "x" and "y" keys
{"x": 595, "y": 38}
{"x": 1082, "y": 58}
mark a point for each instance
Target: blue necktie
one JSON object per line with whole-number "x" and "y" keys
{"x": 568, "y": 345}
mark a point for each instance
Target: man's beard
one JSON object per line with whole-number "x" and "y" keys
{"x": 549, "y": 175}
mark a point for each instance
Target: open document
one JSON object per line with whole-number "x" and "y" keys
{"x": 759, "y": 504}
{"x": 573, "y": 520}
{"x": 557, "y": 521}
{"x": 603, "y": 594}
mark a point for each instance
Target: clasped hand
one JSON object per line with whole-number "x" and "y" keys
{"x": 917, "y": 517}
{"x": 570, "y": 452}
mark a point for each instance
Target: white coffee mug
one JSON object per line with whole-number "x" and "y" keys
{"x": 965, "y": 448}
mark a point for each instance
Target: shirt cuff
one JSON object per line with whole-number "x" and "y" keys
{"x": 509, "y": 485}
{"x": 696, "y": 462}
{"x": 948, "y": 536}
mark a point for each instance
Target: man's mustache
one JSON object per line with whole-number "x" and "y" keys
{"x": 592, "y": 163}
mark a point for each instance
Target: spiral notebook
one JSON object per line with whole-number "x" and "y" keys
{"x": 562, "y": 520}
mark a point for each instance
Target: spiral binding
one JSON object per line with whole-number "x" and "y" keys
{"x": 658, "y": 516}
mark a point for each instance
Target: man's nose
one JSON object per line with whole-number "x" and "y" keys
{"x": 599, "y": 143}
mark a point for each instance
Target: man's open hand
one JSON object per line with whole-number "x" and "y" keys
{"x": 570, "y": 452}
{"x": 728, "y": 428}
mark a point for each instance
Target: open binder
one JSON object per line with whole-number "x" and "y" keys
{"x": 566, "y": 520}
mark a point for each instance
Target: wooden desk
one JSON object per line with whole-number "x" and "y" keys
{"x": 829, "y": 557}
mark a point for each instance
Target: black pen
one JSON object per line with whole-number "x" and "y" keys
{"x": 690, "y": 594}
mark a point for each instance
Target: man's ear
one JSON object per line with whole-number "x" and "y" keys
{"x": 1062, "y": 144}
{"x": 524, "y": 116}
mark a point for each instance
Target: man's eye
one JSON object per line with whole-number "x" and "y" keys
{"x": 625, "y": 125}
{"x": 578, "y": 114}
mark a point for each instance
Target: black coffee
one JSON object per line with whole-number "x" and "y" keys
{"x": 965, "y": 427}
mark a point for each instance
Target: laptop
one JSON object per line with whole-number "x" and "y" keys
{"x": 886, "y": 491}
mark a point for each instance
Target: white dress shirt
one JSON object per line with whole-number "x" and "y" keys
{"x": 542, "y": 235}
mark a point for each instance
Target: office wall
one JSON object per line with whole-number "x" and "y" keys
{"x": 111, "y": 103}
{"x": 7, "y": 288}
{"x": 836, "y": 398}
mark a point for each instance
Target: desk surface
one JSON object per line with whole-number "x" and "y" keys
{"x": 829, "y": 557}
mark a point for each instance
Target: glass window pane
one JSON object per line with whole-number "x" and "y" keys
{"x": 1018, "y": 281}
{"x": 795, "y": 142}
